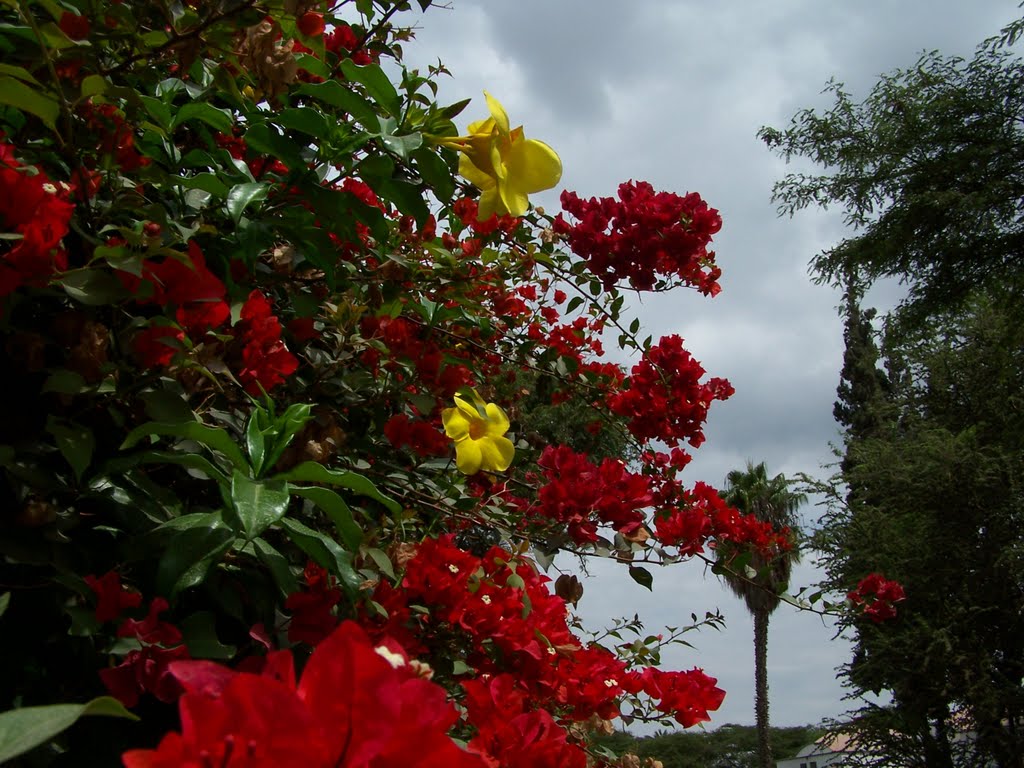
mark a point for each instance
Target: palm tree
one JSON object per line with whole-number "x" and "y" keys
{"x": 759, "y": 584}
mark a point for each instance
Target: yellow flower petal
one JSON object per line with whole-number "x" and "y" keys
{"x": 497, "y": 421}
{"x": 468, "y": 456}
{"x": 498, "y": 113}
{"x": 496, "y": 453}
{"x": 456, "y": 425}
{"x": 533, "y": 166}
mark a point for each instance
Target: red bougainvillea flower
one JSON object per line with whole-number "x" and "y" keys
{"x": 687, "y": 696}
{"x": 266, "y": 361}
{"x": 313, "y": 609}
{"x": 35, "y": 209}
{"x": 356, "y": 705}
{"x": 878, "y": 596}
{"x": 74, "y": 26}
{"x": 157, "y": 345}
{"x": 644, "y": 237}
{"x": 112, "y": 599}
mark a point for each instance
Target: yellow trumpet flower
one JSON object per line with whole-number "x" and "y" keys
{"x": 505, "y": 165}
{"x": 478, "y": 430}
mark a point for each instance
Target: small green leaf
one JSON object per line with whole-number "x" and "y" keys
{"x": 212, "y": 437}
{"x": 5, "y": 600}
{"x": 28, "y": 727}
{"x": 436, "y": 173}
{"x": 15, "y": 93}
{"x": 191, "y": 553}
{"x": 311, "y": 472}
{"x": 20, "y": 73}
{"x": 336, "y": 508}
{"x": 92, "y": 287}
{"x": 242, "y": 196}
{"x": 285, "y": 427}
{"x": 258, "y": 503}
{"x": 641, "y": 576}
{"x": 93, "y": 85}
{"x": 75, "y": 442}
{"x": 255, "y": 443}
{"x": 408, "y": 198}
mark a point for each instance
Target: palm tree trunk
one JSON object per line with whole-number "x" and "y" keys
{"x": 764, "y": 747}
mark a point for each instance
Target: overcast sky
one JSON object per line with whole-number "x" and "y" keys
{"x": 673, "y": 92}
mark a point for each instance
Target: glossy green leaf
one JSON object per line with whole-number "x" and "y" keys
{"x": 284, "y": 429}
{"x": 278, "y": 566}
{"x": 258, "y": 503}
{"x": 93, "y": 287}
{"x": 242, "y": 196}
{"x": 408, "y": 198}
{"x": 436, "y": 173}
{"x": 15, "y": 93}
{"x": 311, "y": 472}
{"x": 218, "y": 119}
{"x": 191, "y": 553}
{"x": 255, "y": 442}
{"x": 337, "y": 95}
{"x": 268, "y": 140}
{"x": 215, "y": 438}
{"x": 336, "y": 508}
{"x": 75, "y": 442}
{"x": 306, "y": 120}
{"x": 26, "y": 728}
{"x": 325, "y": 551}
{"x": 377, "y": 84}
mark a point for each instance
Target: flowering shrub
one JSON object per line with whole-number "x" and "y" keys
{"x": 242, "y": 284}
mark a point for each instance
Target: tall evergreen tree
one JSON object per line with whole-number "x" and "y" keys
{"x": 751, "y": 491}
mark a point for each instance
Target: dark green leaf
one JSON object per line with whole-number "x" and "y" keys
{"x": 325, "y": 551}
{"x": 336, "y": 508}
{"x": 242, "y": 196}
{"x": 200, "y": 634}
{"x": 218, "y": 119}
{"x": 93, "y": 287}
{"x": 311, "y": 472}
{"x": 191, "y": 553}
{"x": 258, "y": 503}
{"x": 305, "y": 119}
{"x": 337, "y": 95}
{"x": 641, "y": 576}
{"x": 15, "y": 93}
{"x": 28, "y": 727}
{"x": 278, "y": 566}
{"x": 377, "y": 85}
{"x": 215, "y": 438}
{"x": 76, "y": 444}
{"x": 436, "y": 173}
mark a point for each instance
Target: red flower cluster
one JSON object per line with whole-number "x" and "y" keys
{"x": 313, "y": 609}
{"x": 356, "y": 705}
{"x": 497, "y": 613}
{"x": 266, "y": 361}
{"x": 147, "y": 670}
{"x": 198, "y": 295}
{"x": 703, "y": 515}
{"x": 877, "y": 596}
{"x": 686, "y": 696}
{"x": 423, "y": 437}
{"x": 37, "y": 210}
{"x": 116, "y": 137}
{"x": 644, "y": 237}
{"x": 665, "y": 399}
{"x": 583, "y": 495}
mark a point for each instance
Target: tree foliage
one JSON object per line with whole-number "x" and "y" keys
{"x": 928, "y": 170}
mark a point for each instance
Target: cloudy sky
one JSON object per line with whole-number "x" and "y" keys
{"x": 673, "y": 92}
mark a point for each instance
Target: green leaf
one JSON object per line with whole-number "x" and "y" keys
{"x": 5, "y": 600}
{"x": 191, "y": 553}
{"x": 336, "y": 508}
{"x": 337, "y": 95}
{"x": 242, "y": 196}
{"x": 64, "y": 382}
{"x": 377, "y": 85}
{"x": 305, "y": 119}
{"x": 218, "y": 119}
{"x": 266, "y": 138}
{"x": 93, "y": 287}
{"x": 157, "y": 110}
{"x": 325, "y": 551}
{"x": 200, "y": 634}
{"x": 278, "y": 566}
{"x": 20, "y": 73}
{"x": 436, "y": 173}
{"x": 311, "y": 472}
{"x": 641, "y": 576}
{"x": 255, "y": 443}
{"x": 258, "y": 503}
{"x": 76, "y": 444}
{"x": 408, "y": 198}
{"x": 208, "y": 182}
{"x": 189, "y": 460}
{"x": 213, "y": 438}
{"x": 93, "y": 85}
{"x": 573, "y": 304}
{"x": 15, "y": 93}
{"x": 28, "y": 727}
{"x": 284, "y": 429}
